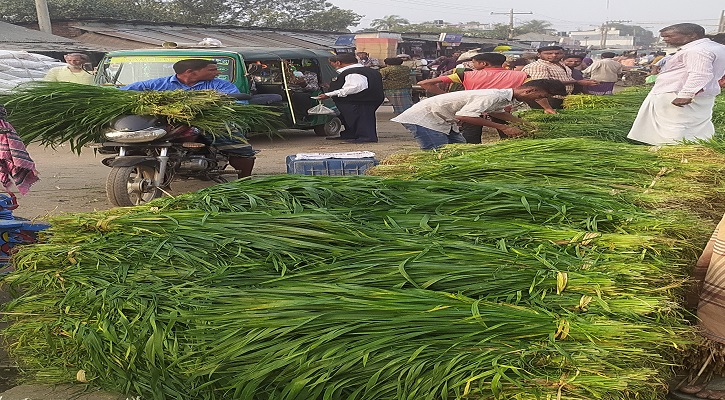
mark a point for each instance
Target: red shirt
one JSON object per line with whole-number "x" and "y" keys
{"x": 489, "y": 78}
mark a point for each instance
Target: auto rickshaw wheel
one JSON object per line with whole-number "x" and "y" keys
{"x": 330, "y": 128}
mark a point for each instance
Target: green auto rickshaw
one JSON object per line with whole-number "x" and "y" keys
{"x": 295, "y": 74}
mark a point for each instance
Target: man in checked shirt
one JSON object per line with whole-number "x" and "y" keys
{"x": 549, "y": 66}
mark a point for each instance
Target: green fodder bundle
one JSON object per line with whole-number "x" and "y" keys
{"x": 316, "y": 341}
{"x": 610, "y": 124}
{"x": 630, "y": 98}
{"x": 52, "y": 113}
{"x": 320, "y": 247}
{"x": 188, "y": 296}
{"x": 171, "y": 281}
{"x": 601, "y": 117}
{"x": 676, "y": 177}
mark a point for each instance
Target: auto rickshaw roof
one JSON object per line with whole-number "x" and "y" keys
{"x": 247, "y": 54}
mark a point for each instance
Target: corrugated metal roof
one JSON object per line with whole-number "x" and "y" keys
{"x": 133, "y": 35}
{"x": 433, "y": 37}
{"x": 13, "y": 37}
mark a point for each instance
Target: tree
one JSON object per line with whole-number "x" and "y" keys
{"x": 334, "y": 19}
{"x": 299, "y": 14}
{"x": 389, "y": 23}
{"x": 642, "y": 36}
{"x": 534, "y": 26}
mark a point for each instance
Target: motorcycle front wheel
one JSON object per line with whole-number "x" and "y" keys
{"x": 131, "y": 186}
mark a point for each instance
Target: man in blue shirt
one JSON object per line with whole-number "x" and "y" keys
{"x": 196, "y": 74}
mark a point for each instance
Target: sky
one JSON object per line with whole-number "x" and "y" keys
{"x": 563, "y": 15}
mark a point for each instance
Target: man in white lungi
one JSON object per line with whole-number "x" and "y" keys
{"x": 679, "y": 107}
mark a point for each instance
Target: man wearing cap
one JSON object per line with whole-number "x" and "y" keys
{"x": 357, "y": 92}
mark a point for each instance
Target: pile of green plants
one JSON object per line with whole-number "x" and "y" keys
{"x": 299, "y": 287}
{"x": 685, "y": 178}
{"x": 526, "y": 269}
{"x": 603, "y": 117}
{"x": 53, "y": 113}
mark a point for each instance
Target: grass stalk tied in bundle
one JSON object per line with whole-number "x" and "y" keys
{"x": 52, "y": 113}
{"x": 629, "y": 98}
{"x": 367, "y": 343}
{"x": 610, "y": 124}
{"x": 680, "y": 177}
{"x": 248, "y": 250}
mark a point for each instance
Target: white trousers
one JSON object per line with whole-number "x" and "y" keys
{"x": 660, "y": 122}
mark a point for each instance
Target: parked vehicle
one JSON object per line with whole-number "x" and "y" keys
{"x": 146, "y": 154}
{"x": 252, "y": 70}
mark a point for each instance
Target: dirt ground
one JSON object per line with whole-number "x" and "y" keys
{"x": 76, "y": 183}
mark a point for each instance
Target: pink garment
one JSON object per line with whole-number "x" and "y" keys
{"x": 491, "y": 78}
{"x": 693, "y": 70}
{"x": 16, "y": 166}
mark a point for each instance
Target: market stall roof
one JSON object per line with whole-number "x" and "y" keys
{"x": 13, "y": 37}
{"x": 433, "y": 37}
{"x": 118, "y": 35}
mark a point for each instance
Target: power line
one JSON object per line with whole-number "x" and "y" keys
{"x": 511, "y": 20}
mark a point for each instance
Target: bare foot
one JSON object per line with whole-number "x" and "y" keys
{"x": 692, "y": 389}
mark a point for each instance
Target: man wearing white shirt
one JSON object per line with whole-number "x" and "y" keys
{"x": 357, "y": 92}
{"x": 679, "y": 107}
{"x": 434, "y": 122}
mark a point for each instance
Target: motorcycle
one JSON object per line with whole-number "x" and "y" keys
{"x": 148, "y": 154}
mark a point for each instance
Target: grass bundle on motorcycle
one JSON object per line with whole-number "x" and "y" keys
{"x": 53, "y": 113}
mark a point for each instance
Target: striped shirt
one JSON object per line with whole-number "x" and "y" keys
{"x": 541, "y": 69}
{"x": 695, "y": 68}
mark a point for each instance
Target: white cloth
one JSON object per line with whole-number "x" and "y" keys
{"x": 354, "y": 83}
{"x": 693, "y": 69}
{"x": 604, "y": 70}
{"x": 439, "y": 112}
{"x": 659, "y": 122}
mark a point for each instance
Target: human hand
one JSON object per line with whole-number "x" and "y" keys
{"x": 512, "y": 131}
{"x": 321, "y": 97}
{"x": 680, "y": 101}
{"x": 587, "y": 82}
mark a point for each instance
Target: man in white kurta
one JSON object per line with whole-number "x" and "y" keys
{"x": 679, "y": 107}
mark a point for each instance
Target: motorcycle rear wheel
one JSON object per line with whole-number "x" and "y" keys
{"x": 131, "y": 186}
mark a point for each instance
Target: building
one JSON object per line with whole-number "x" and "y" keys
{"x": 609, "y": 38}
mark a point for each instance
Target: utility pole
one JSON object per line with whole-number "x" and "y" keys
{"x": 511, "y": 20}
{"x": 721, "y": 26}
{"x": 605, "y": 29}
{"x": 41, "y": 8}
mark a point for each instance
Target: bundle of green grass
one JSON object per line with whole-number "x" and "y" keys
{"x": 603, "y": 117}
{"x": 295, "y": 287}
{"x": 528, "y": 269}
{"x": 53, "y": 113}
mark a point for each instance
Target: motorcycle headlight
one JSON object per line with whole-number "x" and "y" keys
{"x": 140, "y": 136}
